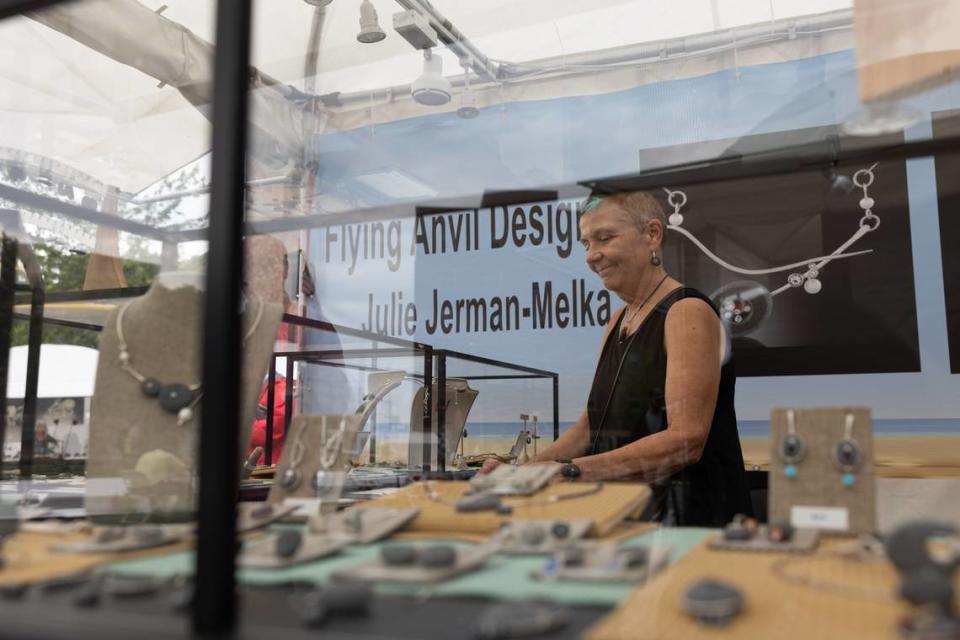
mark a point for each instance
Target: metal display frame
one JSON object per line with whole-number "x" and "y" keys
{"x": 434, "y": 359}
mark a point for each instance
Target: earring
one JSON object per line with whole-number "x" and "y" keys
{"x": 792, "y": 448}
{"x": 292, "y": 476}
{"x": 655, "y": 259}
{"x": 847, "y": 454}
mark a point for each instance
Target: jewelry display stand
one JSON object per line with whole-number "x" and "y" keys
{"x": 315, "y": 460}
{"x": 142, "y": 455}
{"x": 822, "y": 469}
{"x": 460, "y": 399}
{"x": 379, "y": 384}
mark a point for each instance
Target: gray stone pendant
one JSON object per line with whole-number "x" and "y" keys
{"x": 174, "y": 398}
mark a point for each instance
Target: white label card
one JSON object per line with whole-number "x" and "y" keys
{"x": 829, "y": 518}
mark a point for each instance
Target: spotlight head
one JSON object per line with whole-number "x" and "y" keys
{"x": 431, "y": 88}
{"x": 318, "y": 3}
{"x": 370, "y": 30}
{"x": 837, "y": 183}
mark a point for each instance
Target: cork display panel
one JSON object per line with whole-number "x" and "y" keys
{"x": 816, "y": 495}
{"x": 824, "y": 595}
{"x": 605, "y": 508}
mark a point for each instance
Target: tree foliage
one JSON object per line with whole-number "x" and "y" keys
{"x": 64, "y": 270}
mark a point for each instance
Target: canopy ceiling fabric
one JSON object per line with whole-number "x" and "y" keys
{"x": 120, "y": 91}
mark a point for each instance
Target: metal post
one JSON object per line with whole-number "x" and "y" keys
{"x": 8, "y": 283}
{"x": 427, "y": 405}
{"x": 288, "y": 396}
{"x": 441, "y": 412}
{"x": 214, "y": 605}
{"x": 372, "y": 441}
{"x": 34, "y": 342}
{"x": 271, "y": 398}
{"x": 556, "y": 407}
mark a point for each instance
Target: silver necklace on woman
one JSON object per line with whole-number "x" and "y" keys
{"x": 175, "y": 397}
{"x": 628, "y": 317}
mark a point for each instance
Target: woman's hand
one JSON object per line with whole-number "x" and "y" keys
{"x": 489, "y": 465}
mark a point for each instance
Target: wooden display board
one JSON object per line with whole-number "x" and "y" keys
{"x": 842, "y": 597}
{"x": 817, "y": 497}
{"x": 607, "y": 508}
{"x": 29, "y": 559}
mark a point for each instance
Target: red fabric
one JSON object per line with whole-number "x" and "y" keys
{"x": 258, "y": 435}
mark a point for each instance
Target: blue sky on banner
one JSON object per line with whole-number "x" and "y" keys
{"x": 533, "y": 145}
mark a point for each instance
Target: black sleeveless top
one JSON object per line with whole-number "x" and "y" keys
{"x": 626, "y": 406}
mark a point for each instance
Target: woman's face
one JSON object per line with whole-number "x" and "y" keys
{"x": 616, "y": 249}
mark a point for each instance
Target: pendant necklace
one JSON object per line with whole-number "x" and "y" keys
{"x": 176, "y": 397}
{"x": 627, "y": 320}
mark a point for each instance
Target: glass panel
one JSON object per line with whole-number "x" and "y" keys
{"x": 698, "y": 254}
{"x": 774, "y": 159}
{"x": 104, "y": 141}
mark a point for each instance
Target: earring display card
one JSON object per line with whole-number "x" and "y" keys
{"x": 802, "y": 541}
{"x": 315, "y": 458}
{"x": 539, "y": 536}
{"x": 822, "y": 469}
{"x": 127, "y": 538}
{"x": 362, "y": 525}
{"x": 277, "y": 551}
{"x": 464, "y": 559}
{"x": 511, "y": 480}
{"x": 254, "y": 515}
{"x": 605, "y": 562}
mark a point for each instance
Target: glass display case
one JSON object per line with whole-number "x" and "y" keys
{"x": 510, "y": 304}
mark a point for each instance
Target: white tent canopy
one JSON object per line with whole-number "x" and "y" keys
{"x": 64, "y": 101}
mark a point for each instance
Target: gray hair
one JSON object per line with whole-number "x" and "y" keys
{"x": 639, "y": 205}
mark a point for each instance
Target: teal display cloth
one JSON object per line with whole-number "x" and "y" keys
{"x": 502, "y": 577}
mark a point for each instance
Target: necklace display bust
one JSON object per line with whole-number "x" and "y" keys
{"x": 160, "y": 340}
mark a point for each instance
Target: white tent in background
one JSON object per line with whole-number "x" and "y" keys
{"x": 67, "y": 377}
{"x": 66, "y": 371}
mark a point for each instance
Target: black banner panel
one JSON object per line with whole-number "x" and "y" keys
{"x": 853, "y": 314}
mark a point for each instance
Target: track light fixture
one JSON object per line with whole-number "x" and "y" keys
{"x": 431, "y": 88}
{"x": 468, "y": 100}
{"x": 370, "y": 30}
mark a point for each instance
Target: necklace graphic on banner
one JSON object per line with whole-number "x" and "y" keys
{"x": 174, "y": 397}
{"x": 628, "y": 320}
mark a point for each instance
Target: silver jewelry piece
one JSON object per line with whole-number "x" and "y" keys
{"x": 792, "y": 447}
{"x": 847, "y": 454}
{"x": 176, "y": 397}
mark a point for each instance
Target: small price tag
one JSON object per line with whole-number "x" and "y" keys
{"x": 828, "y": 518}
